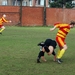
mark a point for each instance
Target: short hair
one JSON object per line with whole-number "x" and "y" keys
{"x": 72, "y": 23}
{"x": 4, "y": 15}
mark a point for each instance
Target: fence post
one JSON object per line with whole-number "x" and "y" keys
{"x": 20, "y": 13}
{"x": 44, "y": 12}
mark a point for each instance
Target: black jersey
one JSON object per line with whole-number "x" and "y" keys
{"x": 50, "y": 42}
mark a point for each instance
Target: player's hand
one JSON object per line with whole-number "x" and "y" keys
{"x": 51, "y": 29}
{"x": 44, "y": 60}
{"x": 55, "y": 59}
{"x": 10, "y": 21}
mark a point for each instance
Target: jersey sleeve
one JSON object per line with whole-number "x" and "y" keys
{"x": 4, "y": 20}
{"x": 57, "y": 25}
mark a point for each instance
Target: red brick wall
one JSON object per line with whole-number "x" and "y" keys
{"x": 34, "y": 16}
{"x": 59, "y": 15}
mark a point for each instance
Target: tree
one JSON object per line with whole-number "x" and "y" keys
{"x": 62, "y": 4}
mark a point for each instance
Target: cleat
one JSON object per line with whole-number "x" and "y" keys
{"x": 59, "y": 61}
{"x": 38, "y": 61}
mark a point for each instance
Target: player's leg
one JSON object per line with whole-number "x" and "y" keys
{"x": 58, "y": 52}
{"x": 62, "y": 51}
{"x": 58, "y": 41}
{"x": 2, "y": 28}
{"x": 41, "y": 54}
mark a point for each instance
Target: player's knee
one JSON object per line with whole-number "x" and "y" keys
{"x": 65, "y": 47}
{"x": 3, "y": 27}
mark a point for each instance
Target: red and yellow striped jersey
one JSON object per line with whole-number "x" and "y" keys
{"x": 2, "y": 20}
{"x": 63, "y": 29}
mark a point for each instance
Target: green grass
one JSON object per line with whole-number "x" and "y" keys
{"x": 19, "y": 50}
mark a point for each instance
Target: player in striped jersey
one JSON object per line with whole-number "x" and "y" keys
{"x": 2, "y": 20}
{"x": 60, "y": 37}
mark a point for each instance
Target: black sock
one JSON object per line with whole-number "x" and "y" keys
{"x": 41, "y": 53}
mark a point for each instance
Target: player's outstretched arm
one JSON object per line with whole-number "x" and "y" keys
{"x": 51, "y": 29}
{"x": 10, "y": 21}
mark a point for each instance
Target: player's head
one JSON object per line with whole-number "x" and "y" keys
{"x": 72, "y": 24}
{"x": 4, "y": 15}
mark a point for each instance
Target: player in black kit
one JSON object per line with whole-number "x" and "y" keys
{"x": 48, "y": 46}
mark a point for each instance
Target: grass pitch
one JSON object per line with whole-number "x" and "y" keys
{"x": 19, "y": 50}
